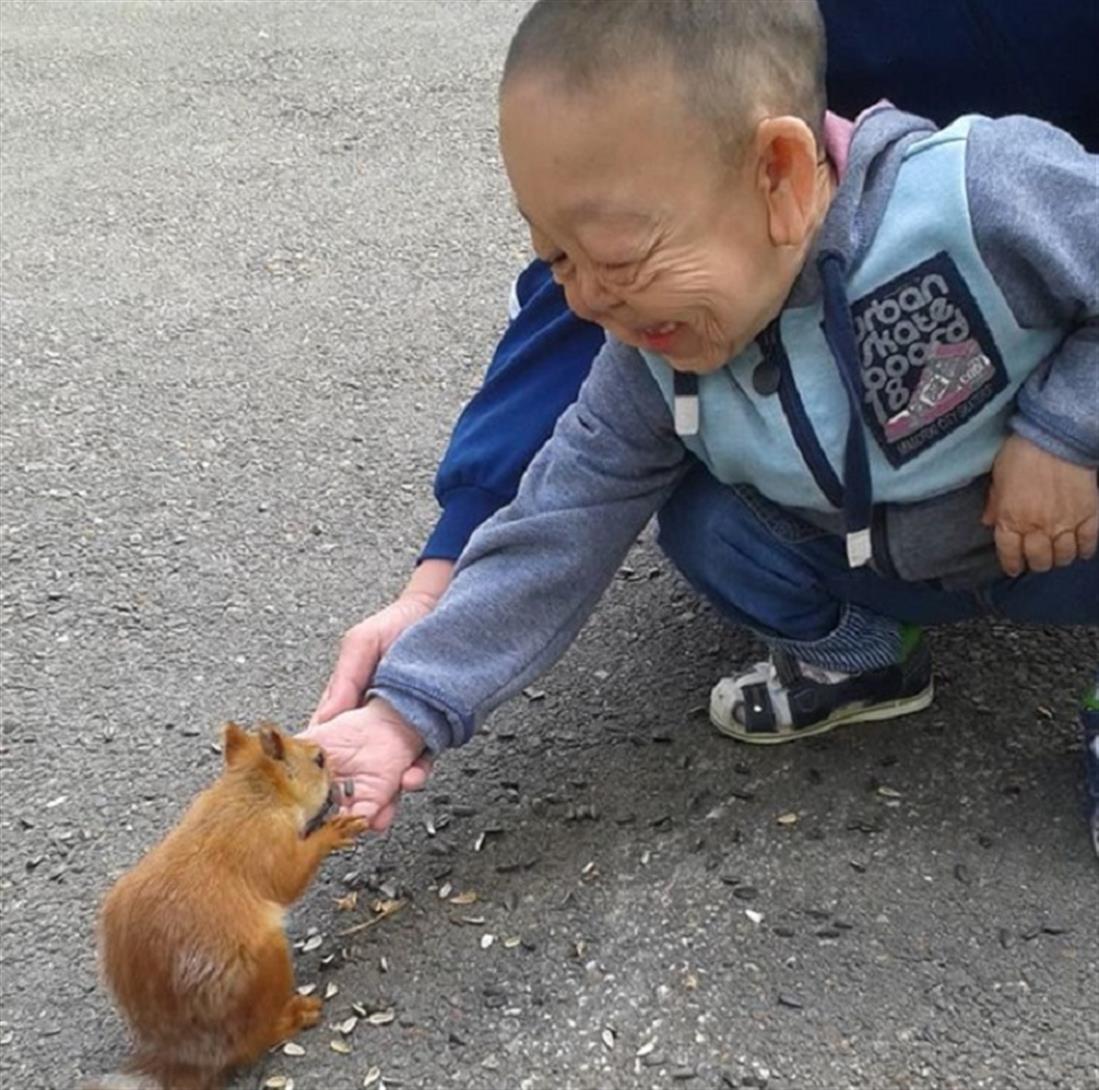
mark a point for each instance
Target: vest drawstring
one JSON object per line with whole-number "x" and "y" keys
{"x": 839, "y": 332}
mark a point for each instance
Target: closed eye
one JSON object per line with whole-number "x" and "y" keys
{"x": 319, "y": 759}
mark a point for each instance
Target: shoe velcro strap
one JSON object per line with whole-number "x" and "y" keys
{"x": 786, "y": 668}
{"x": 759, "y": 715}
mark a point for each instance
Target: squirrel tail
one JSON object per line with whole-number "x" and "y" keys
{"x": 173, "y": 1077}
{"x": 119, "y": 1081}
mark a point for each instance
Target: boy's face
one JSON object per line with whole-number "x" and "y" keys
{"x": 652, "y": 234}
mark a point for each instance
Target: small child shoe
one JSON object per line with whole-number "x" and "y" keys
{"x": 782, "y": 699}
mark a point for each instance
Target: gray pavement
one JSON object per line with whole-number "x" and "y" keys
{"x": 254, "y": 258}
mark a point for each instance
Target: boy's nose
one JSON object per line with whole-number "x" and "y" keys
{"x": 588, "y": 297}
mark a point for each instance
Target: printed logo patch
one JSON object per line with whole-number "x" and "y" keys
{"x": 928, "y": 359}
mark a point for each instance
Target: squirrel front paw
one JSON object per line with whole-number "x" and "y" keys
{"x": 342, "y": 830}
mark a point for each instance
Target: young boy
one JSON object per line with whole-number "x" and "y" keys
{"x": 822, "y": 338}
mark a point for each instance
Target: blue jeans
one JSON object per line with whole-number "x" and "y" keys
{"x": 789, "y": 581}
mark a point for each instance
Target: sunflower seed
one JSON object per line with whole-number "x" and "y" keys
{"x": 479, "y": 843}
{"x": 533, "y": 694}
{"x": 787, "y": 1000}
{"x": 753, "y": 915}
{"x": 467, "y": 897}
{"x": 307, "y": 989}
{"x": 292, "y": 1048}
{"x": 487, "y": 941}
{"x": 429, "y": 825}
{"x": 381, "y": 1018}
{"x": 331, "y": 989}
{"x": 383, "y": 963}
{"x": 372, "y": 1076}
{"x": 646, "y": 1048}
{"x": 347, "y": 1026}
{"x": 608, "y": 1038}
{"x": 787, "y": 819}
{"x": 278, "y": 1082}
{"x": 312, "y": 943}
{"x": 445, "y": 890}
{"x": 359, "y": 1009}
{"x": 512, "y": 942}
{"x": 342, "y": 1047}
{"x": 890, "y": 793}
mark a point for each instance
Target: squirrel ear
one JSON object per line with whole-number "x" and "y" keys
{"x": 272, "y": 741}
{"x": 234, "y": 740}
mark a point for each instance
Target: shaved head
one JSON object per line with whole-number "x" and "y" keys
{"x": 736, "y": 61}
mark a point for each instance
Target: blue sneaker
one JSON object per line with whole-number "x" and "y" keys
{"x": 1089, "y": 721}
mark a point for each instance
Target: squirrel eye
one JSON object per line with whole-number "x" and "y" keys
{"x": 319, "y": 759}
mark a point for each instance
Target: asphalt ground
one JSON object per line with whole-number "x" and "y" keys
{"x": 254, "y": 259}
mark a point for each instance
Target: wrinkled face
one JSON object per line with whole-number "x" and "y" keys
{"x": 651, "y": 233}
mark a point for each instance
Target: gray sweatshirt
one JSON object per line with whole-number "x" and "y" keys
{"x": 532, "y": 575}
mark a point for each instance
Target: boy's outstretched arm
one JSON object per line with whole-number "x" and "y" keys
{"x": 541, "y": 360}
{"x": 526, "y": 583}
{"x": 1033, "y": 195}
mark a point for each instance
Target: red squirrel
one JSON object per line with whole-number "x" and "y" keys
{"x": 191, "y": 939}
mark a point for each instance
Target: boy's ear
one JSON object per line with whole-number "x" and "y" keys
{"x": 234, "y": 743}
{"x": 272, "y": 742}
{"x": 787, "y": 151}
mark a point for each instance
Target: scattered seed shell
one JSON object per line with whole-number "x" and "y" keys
{"x": 787, "y": 819}
{"x": 331, "y": 990}
{"x": 608, "y": 1038}
{"x": 279, "y": 1082}
{"x": 512, "y": 942}
{"x": 381, "y": 1018}
{"x": 445, "y": 890}
{"x": 890, "y": 793}
{"x": 646, "y": 1048}
{"x": 372, "y": 1076}
{"x": 292, "y": 1048}
{"x": 753, "y": 915}
{"x": 312, "y": 943}
{"x": 479, "y": 843}
{"x": 467, "y": 897}
{"x": 487, "y": 941}
{"x": 306, "y": 989}
{"x": 342, "y": 1047}
{"x": 347, "y": 1026}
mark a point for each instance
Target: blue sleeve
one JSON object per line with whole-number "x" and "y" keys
{"x": 542, "y": 359}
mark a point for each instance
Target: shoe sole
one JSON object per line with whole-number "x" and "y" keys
{"x": 891, "y": 709}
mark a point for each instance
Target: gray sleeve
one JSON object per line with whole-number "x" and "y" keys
{"x": 531, "y": 576}
{"x": 1034, "y": 203}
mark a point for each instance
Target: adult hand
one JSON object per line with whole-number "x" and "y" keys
{"x": 1045, "y": 510}
{"x": 373, "y": 748}
{"x": 364, "y": 645}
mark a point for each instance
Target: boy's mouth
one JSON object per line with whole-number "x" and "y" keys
{"x": 659, "y": 337}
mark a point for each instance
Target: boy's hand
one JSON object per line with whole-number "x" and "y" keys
{"x": 1045, "y": 510}
{"x": 377, "y": 750}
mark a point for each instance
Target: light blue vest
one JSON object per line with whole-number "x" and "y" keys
{"x": 942, "y": 359}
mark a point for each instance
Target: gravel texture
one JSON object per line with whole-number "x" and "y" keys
{"x": 254, "y": 259}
